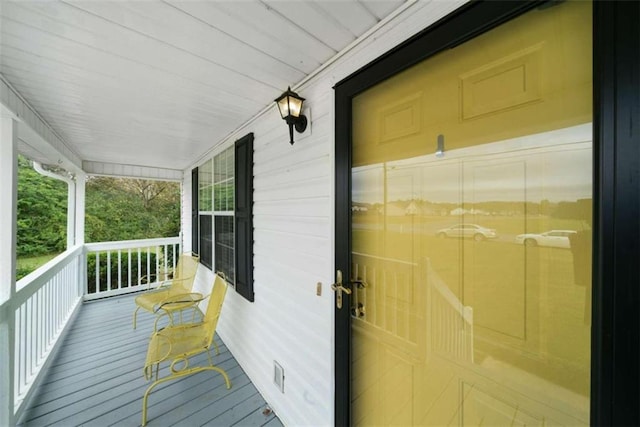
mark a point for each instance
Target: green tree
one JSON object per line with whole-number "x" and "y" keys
{"x": 42, "y": 212}
{"x": 127, "y": 209}
{"x": 115, "y": 209}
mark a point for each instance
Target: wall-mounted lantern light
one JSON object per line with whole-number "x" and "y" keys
{"x": 290, "y": 106}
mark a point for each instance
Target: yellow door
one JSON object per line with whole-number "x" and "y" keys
{"x": 471, "y": 231}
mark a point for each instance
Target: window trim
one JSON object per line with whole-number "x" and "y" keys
{"x": 195, "y": 213}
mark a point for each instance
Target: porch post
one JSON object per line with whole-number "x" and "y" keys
{"x": 8, "y": 203}
{"x": 81, "y": 179}
{"x": 80, "y": 186}
{"x": 71, "y": 214}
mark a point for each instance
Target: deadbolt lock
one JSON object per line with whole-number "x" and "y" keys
{"x": 358, "y": 311}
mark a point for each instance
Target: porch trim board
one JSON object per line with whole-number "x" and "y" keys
{"x": 131, "y": 171}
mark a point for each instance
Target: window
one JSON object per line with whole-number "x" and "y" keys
{"x": 205, "y": 211}
{"x": 225, "y": 226}
{"x": 223, "y": 195}
{"x": 216, "y": 193}
{"x": 224, "y": 245}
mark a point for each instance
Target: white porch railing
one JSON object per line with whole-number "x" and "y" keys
{"x": 33, "y": 321}
{"x": 115, "y": 268}
{"x": 35, "y": 318}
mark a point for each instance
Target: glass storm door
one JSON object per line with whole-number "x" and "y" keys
{"x": 471, "y": 231}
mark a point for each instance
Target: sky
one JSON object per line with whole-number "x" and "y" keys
{"x": 508, "y": 171}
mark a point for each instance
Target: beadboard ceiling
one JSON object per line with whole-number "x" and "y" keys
{"x": 157, "y": 83}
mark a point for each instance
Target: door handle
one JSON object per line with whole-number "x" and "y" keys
{"x": 360, "y": 284}
{"x": 339, "y": 289}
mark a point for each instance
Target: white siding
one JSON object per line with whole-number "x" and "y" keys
{"x": 294, "y": 226}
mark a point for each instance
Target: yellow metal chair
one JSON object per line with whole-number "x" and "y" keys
{"x": 172, "y": 295}
{"x": 175, "y": 344}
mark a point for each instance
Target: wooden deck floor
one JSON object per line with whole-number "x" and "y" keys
{"x": 96, "y": 379}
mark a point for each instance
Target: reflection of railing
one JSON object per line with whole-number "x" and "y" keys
{"x": 451, "y": 321}
{"x": 388, "y": 298}
{"x": 115, "y": 268}
{"x": 408, "y": 302}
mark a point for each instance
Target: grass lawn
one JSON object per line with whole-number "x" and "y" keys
{"x": 26, "y": 265}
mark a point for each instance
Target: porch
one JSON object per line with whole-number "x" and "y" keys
{"x": 96, "y": 378}
{"x": 158, "y": 90}
{"x": 78, "y": 361}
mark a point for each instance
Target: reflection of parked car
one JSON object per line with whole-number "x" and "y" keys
{"x": 552, "y": 238}
{"x": 467, "y": 230}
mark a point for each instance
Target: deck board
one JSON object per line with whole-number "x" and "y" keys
{"x": 96, "y": 379}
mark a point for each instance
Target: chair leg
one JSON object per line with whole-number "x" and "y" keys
{"x": 135, "y": 314}
{"x": 158, "y": 317}
{"x": 146, "y": 397}
{"x": 148, "y": 376}
{"x": 178, "y": 375}
{"x": 218, "y": 370}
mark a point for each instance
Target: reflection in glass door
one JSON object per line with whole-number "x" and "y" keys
{"x": 471, "y": 231}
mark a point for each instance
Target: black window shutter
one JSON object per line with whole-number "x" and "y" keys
{"x": 244, "y": 216}
{"x": 194, "y": 211}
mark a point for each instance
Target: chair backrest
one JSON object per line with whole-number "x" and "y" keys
{"x": 184, "y": 273}
{"x": 214, "y": 307}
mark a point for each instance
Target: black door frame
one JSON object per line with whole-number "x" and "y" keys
{"x": 615, "y": 353}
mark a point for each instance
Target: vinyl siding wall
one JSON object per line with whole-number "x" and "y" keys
{"x": 294, "y": 233}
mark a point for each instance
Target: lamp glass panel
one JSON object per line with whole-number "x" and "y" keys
{"x": 295, "y": 106}
{"x": 283, "y": 106}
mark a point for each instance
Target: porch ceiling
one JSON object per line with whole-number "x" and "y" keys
{"x": 157, "y": 83}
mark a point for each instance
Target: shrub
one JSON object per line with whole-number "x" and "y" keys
{"x": 124, "y": 266}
